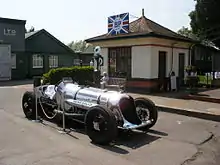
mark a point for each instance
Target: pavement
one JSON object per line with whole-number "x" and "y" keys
{"x": 174, "y": 140}
{"x": 193, "y": 108}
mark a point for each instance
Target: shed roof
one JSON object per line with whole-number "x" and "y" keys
{"x": 30, "y": 35}
{"x": 144, "y": 27}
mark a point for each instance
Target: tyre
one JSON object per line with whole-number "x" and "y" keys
{"x": 100, "y": 125}
{"x": 28, "y": 105}
{"x": 146, "y": 110}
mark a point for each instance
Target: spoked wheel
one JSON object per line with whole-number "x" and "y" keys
{"x": 28, "y": 105}
{"x": 146, "y": 110}
{"x": 101, "y": 125}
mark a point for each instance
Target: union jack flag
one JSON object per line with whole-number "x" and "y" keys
{"x": 118, "y": 24}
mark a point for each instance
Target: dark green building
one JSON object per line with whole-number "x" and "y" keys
{"x": 43, "y": 52}
{"x": 24, "y": 55}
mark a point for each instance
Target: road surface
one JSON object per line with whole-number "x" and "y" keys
{"x": 174, "y": 140}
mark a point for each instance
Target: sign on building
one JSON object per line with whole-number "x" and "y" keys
{"x": 9, "y": 32}
{"x": 118, "y": 24}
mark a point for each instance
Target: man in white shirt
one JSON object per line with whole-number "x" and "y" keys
{"x": 104, "y": 80}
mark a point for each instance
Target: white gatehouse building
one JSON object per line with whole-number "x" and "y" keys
{"x": 143, "y": 52}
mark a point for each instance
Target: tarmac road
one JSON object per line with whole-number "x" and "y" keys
{"x": 174, "y": 140}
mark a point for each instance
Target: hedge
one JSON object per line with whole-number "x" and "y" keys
{"x": 82, "y": 75}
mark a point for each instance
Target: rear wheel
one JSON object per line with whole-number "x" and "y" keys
{"x": 146, "y": 110}
{"x": 101, "y": 125}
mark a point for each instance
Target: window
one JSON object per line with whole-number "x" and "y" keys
{"x": 37, "y": 61}
{"x": 13, "y": 61}
{"x": 120, "y": 62}
{"x": 76, "y": 61}
{"x": 53, "y": 61}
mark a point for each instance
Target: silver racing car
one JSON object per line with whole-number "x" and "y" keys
{"x": 103, "y": 112}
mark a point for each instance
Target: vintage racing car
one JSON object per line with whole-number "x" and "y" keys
{"x": 103, "y": 112}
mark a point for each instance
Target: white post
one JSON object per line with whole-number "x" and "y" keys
{"x": 36, "y": 107}
{"x": 62, "y": 102}
{"x": 60, "y": 108}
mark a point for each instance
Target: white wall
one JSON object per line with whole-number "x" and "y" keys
{"x": 145, "y": 54}
{"x": 144, "y": 60}
{"x": 176, "y": 51}
{"x": 141, "y": 62}
{"x": 176, "y": 59}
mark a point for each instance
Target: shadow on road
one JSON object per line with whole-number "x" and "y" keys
{"x": 16, "y": 82}
{"x": 126, "y": 139}
{"x": 132, "y": 140}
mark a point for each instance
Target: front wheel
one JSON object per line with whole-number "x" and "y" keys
{"x": 101, "y": 125}
{"x": 146, "y": 110}
{"x": 28, "y": 105}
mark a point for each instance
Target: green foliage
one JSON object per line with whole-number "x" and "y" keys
{"x": 82, "y": 75}
{"x": 80, "y": 46}
{"x": 187, "y": 32}
{"x": 203, "y": 79}
{"x": 205, "y": 19}
{"x": 190, "y": 69}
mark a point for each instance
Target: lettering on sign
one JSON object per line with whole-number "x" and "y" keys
{"x": 9, "y": 32}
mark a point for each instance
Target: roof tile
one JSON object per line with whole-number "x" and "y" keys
{"x": 143, "y": 27}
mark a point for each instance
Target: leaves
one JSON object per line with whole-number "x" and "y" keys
{"x": 184, "y": 31}
{"x": 79, "y": 46}
{"x": 82, "y": 75}
{"x": 205, "y": 20}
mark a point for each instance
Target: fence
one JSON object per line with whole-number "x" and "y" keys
{"x": 209, "y": 78}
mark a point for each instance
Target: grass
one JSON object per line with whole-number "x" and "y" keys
{"x": 205, "y": 79}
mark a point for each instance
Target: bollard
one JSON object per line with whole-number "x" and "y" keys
{"x": 62, "y": 102}
{"x": 97, "y": 77}
{"x": 36, "y": 83}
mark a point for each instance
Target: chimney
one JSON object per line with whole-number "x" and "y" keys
{"x": 142, "y": 12}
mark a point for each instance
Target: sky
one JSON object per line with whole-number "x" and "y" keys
{"x": 72, "y": 20}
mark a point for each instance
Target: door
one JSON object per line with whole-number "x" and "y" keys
{"x": 5, "y": 62}
{"x": 162, "y": 70}
{"x": 162, "y": 65}
{"x": 181, "y": 68}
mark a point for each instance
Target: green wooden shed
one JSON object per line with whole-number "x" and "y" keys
{"x": 43, "y": 52}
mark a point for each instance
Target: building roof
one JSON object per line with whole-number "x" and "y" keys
{"x": 30, "y": 35}
{"x": 143, "y": 27}
{"x": 14, "y": 21}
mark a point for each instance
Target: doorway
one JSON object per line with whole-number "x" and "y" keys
{"x": 181, "y": 68}
{"x": 162, "y": 69}
{"x": 162, "y": 65}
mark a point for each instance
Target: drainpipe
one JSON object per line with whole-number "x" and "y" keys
{"x": 172, "y": 55}
{"x": 190, "y": 53}
{"x": 172, "y": 62}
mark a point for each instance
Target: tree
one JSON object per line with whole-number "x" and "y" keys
{"x": 205, "y": 20}
{"x": 79, "y": 46}
{"x": 185, "y": 31}
{"x": 32, "y": 29}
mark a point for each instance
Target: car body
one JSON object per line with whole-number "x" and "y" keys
{"x": 102, "y": 111}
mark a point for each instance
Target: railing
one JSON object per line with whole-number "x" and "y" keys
{"x": 116, "y": 83}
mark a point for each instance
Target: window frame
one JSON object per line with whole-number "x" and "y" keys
{"x": 37, "y": 59}
{"x": 53, "y": 58}
{"x": 13, "y": 66}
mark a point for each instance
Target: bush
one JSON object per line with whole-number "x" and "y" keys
{"x": 82, "y": 75}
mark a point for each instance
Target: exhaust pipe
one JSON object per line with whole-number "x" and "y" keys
{"x": 128, "y": 125}
{"x": 69, "y": 114}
